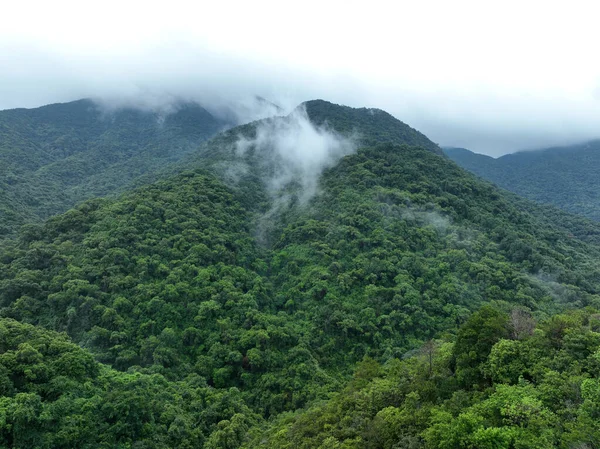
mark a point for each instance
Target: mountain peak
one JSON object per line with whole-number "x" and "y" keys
{"x": 373, "y": 125}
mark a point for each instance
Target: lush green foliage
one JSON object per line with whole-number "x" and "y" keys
{"x": 567, "y": 177}
{"x": 207, "y": 313}
{"x": 372, "y": 126}
{"x": 55, "y": 395}
{"x": 529, "y": 387}
{"x": 55, "y": 156}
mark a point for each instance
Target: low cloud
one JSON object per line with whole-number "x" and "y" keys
{"x": 294, "y": 151}
{"x": 235, "y": 111}
{"x": 291, "y": 154}
{"x": 465, "y": 82}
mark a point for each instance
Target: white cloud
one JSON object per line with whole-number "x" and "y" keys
{"x": 490, "y": 76}
{"x": 295, "y": 150}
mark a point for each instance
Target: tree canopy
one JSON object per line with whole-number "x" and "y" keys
{"x": 406, "y": 303}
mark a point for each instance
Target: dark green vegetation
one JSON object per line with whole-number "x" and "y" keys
{"x": 372, "y": 126}
{"x": 492, "y": 388}
{"x": 567, "y": 177}
{"x": 406, "y": 304}
{"x": 54, "y": 394}
{"x": 55, "y": 156}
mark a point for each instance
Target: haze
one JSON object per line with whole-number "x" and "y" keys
{"x": 493, "y": 79}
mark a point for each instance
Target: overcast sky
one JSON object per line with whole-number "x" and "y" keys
{"x": 516, "y": 75}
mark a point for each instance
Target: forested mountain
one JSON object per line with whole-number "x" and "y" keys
{"x": 308, "y": 281}
{"x": 373, "y": 125}
{"x": 55, "y": 156}
{"x": 567, "y": 177}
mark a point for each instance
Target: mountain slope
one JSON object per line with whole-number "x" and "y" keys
{"x": 212, "y": 335}
{"x": 372, "y": 126}
{"x": 567, "y": 177}
{"x": 400, "y": 246}
{"x": 55, "y": 156}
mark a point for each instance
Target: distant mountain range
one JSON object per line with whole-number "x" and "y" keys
{"x": 567, "y": 177}
{"x": 54, "y": 156}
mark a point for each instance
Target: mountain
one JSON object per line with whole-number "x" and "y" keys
{"x": 373, "y": 125}
{"x": 567, "y": 177}
{"x": 55, "y": 156}
{"x": 295, "y": 286}
{"x": 312, "y": 123}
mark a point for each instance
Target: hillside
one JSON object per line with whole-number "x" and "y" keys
{"x": 292, "y": 290}
{"x": 373, "y": 125}
{"x": 208, "y": 292}
{"x": 55, "y": 156}
{"x": 58, "y": 155}
{"x": 567, "y": 177}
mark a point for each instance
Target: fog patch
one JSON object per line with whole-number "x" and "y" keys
{"x": 431, "y": 218}
{"x": 293, "y": 153}
{"x": 549, "y": 283}
{"x": 249, "y": 109}
{"x": 559, "y": 292}
{"x": 290, "y": 154}
{"x": 399, "y": 206}
{"x": 160, "y": 103}
{"x": 234, "y": 111}
{"x": 233, "y": 173}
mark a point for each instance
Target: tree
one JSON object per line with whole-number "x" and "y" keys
{"x": 474, "y": 342}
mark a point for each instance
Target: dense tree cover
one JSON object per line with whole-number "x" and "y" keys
{"x": 165, "y": 281}
{"x": 54, "y": 394}
{"x": 372, "y": 126}
{"x": 574, "y": 226}
{"x": 55, "y": 156}
{"x": 58, "y": 155}
{"x": 195, "y": 313}
{"x": 402, "y": 245}
{"x": 567, "y": 177}
{"x": 504, "y": 382}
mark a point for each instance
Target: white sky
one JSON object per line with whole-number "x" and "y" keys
{"x": 491, "y": 76}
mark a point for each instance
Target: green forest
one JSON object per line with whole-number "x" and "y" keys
{"x": 406, "y": 304}
{"x": 567, "y": 177}
{"x": 53, "y": 157}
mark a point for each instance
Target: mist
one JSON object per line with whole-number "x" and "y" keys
{"x": 290, "y": 154}
{"x": 297, "y": 152}
{"x": 452, "y": 71}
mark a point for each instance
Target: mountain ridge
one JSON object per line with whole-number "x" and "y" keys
{"x": 349, "y": 119}
{"x": 54, "y": 156}
{"x": 57, "y": 155}
{"x": 567, "y": 176}
{"x": 404, "y": 303}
